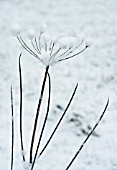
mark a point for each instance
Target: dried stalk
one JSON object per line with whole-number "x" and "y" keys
{"x": 57, "y": 125}
{"x": 43, "y": 127}
{"x": 21, "y": 136}
{"x": 83, "y": 144}
{"x": 37, "y": 113}
{"x": 12, "y": 147}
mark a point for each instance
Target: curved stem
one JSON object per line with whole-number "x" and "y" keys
{"x": 81, "y": 147}
{"x": 43, "y": 127}
{"x": 24, "y": 45}
{"x": 73, "y": 55}
{"x": 12, "y": 147}
{"x": 21, "y": 136}
{"x": 37, "y": 113}
{"x": 61, "y": 118}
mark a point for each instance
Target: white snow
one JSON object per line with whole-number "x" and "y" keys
{"x": 95, "y": 70}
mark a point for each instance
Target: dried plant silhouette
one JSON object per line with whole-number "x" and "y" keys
{"x": 32, "y": 159}
{"x": 48, "y": 54}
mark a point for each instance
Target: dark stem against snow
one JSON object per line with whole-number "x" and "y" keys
{"x": 73, "y": 55}
{"x": 40, "y": 42}
{"x": 84, "y": 142}
{"x": 12, "y": 146}
{"x": 37, "y": 45}
{"x": 43, "y": 127}
{"x": 61, "y": 118}
{"x": 25, "y": 46}
{"x": 21, "y": 135}
{"x": 37, "y": 113}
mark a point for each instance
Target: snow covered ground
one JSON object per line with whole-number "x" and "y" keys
{"x": 95, "y": 70}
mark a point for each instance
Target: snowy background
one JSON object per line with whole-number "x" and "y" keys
{"x": 95, "y": 70}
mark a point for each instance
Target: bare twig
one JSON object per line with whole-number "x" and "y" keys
{"x": 43, "y": 127}
{"x": 12, "y": 147}
{"x": 24, "y": 45}
{"x": 77, "y": 153}
{"x": 21, "y": 136}
{"x": 40, "y": 42}
{"x": 52, "y": 48}
{"x": 61, "y": 118}
{"x": 72, "y": 55}
{"x": 37, "y": 46}
{"x": 37, "y": 113}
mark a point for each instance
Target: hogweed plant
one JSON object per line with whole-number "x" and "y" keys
{"x": 48, "y": 50}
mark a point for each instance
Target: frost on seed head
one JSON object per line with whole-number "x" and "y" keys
{"x": 16, "y": 29}
{"x": 88, "y": 42}
{"x": 52, "y": 49}
{"x": 31, "y": 34}
{"x": 63, "y": 42}
{"x": 45, "y": 57}
{"x": 46, "y": 37}
{"x": 43, "y": 28}
{"x": 72, "y": 42}
{"x": 55, "y": 39}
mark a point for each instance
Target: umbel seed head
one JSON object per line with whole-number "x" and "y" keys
{"x": 48, "y": 49}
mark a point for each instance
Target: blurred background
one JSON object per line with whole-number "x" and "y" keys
{"x": 95, "y": 70}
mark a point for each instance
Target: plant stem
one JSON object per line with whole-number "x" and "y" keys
{"x": 37, "y": 113}
{"x": 61, "y": 118}
{"x": 77, "y": 153}
{"x": 43, "y": 127}
{"x": 21, "y": 136}
{"x": 12, "y": 147}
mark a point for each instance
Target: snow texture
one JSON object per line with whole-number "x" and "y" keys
{"x": 95, "y": 70}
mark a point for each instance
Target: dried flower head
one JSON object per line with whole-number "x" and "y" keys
{"x": 50, "y": 50}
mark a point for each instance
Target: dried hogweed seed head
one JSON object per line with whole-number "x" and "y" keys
{"x": 16, "y": 29}
{"x": 31, "y": 34}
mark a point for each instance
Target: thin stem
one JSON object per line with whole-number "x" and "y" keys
{"x": 37, "y": 45}
{"x": 37, "y": 113}
{"x": 55, "y": 53}
{"x": 12, "y": 113}
{"x": 46, "y": 47}
{"x": 43, "y": 127}
{"x": 26, "y": 47}
{"x": 21, "y": 136}
{"x": 61, "y": 118}
{"x": 65, "y": 52}
{"x": 70, "y": 52}
{"x": 40, "y": 42}
{"x": 72, "y": 55}
{"x": 50, "y": 45}
{"x": 52, "y": 48}
{"x": 83, "y": 144}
